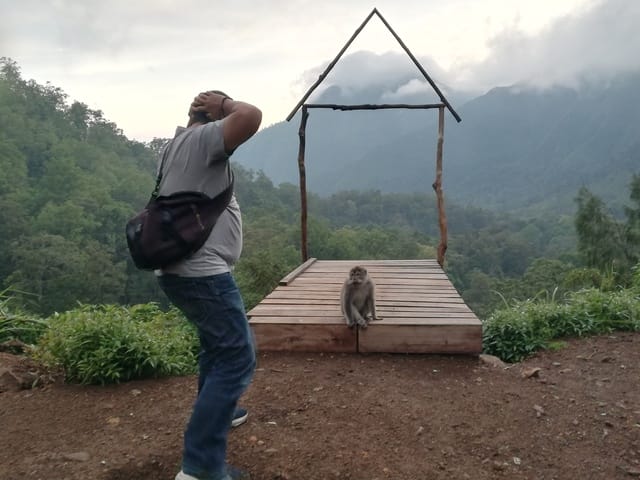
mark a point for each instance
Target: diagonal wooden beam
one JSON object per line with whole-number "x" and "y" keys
{"x": 331, "y": 65}
{"x": 417, "y": 64}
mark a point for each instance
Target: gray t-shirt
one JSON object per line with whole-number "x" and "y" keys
{"x": 196, "y": 160}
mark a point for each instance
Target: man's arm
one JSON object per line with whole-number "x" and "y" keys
{"x": 241, "y": 119}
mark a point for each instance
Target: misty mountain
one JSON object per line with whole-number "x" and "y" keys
{"x": 517, "y": 147}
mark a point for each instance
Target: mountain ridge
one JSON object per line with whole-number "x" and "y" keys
{"x": 517, "y": 147}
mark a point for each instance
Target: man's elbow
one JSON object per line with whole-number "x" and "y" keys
{"x": 250, "y": 118}
{"x": 241, "y": 125}
{"x": 256, "y": 119}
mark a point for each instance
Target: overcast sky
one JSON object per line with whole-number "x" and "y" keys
{"x": 142, "y": 61}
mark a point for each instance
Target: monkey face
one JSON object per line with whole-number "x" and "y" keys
{"x": 358, "y": 274}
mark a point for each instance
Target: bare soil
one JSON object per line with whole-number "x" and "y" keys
{"x": 568, "y": 414}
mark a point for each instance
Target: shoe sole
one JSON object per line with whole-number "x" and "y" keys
{"x": 236, "y": 422}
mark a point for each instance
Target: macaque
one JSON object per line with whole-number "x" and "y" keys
{"x": 358, "y": 298}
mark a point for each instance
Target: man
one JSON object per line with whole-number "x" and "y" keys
{"x": 202, "y": 286}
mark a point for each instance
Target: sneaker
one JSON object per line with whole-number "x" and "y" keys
{"x": 183, "y": 476}
{"x": 233, "y": 473}
{"x": 239, "y": 417}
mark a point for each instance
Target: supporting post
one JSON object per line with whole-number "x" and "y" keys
{"x": 437, "y": 186}
{"x": 303, "y": 185}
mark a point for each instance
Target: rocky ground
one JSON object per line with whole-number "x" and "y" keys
{"x": 569, "y": 414}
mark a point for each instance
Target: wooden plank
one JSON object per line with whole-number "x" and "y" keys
{"x": 400, "y": 287}
{"x": 295, "y": 273}
{"x": 379, "y": 283}
{"x": 440, "y": 339}
{"x": 386, "y": 297}
{"x": 346, "y": 265}
{"x": 423, "y": 261}
{"x": 319, "y": 310}
{"x": 334, "y": 319}
{"x": 379, "y": 302}
{"x": 422, "y": 281}
{"x": 325, "y": 319}
{"x": 335, "y": 264}
{"x": 307, "y": 338}
{"x": 388, "y": 293}
{"x": 392, "y": 300}
{"x": 412, "y": 269}
{"x": 376, "y": 274}
{"x": 381, "y": 277}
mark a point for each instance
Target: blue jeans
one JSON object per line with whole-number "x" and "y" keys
{"x": 227, "y": 361}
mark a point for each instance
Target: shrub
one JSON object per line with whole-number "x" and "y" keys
{"x": 607, "y": 311}
{"x": 515, "y": 332}
{"x": 635, "y": 278}
{"x": 16, "y": 325}
{"x": 110, "y": 344}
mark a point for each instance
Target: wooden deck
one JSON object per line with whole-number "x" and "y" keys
{"x": 421, "y": 311}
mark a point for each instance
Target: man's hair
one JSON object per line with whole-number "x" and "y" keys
{"x": 201, "y": 117}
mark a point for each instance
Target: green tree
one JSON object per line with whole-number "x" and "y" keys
{"x": 601, "y": 242}
{"x": 632, "y": 213}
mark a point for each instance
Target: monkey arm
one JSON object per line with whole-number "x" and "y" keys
{"x": 371, "y": 303}
{"x": 345, "y": 303}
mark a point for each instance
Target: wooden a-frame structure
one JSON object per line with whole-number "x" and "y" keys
{"x": 421, "y": 310}
{"x": 437, "y": 184}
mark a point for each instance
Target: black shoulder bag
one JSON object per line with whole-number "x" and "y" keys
{"x": 173, "y": 227}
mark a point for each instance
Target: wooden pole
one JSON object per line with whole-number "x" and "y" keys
{"x": 437, "y": 186}
{"x": 303, "y": 185}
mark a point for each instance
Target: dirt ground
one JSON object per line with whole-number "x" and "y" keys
{"x": 568, "y": 414}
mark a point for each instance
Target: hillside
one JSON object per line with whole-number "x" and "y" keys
{"x": 515, "y": 148}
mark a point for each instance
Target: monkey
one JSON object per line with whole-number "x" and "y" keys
{"x": 358, "y": 298}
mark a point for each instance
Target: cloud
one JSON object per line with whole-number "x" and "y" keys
{"x": 598, "y": 42}
{"x": 386, "y": 77}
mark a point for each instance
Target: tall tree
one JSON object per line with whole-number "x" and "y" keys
{"x": 601, "y": 239}
{"x": 633, "y": 221}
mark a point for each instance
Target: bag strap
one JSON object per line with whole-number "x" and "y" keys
{"x": 156, "y": 189}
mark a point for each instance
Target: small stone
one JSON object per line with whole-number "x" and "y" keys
{"x": 77, "y": 456}
{"x": 531, "y": 372}
{"x": 498, "y": 466}
{"x": 420, "y": 430}
{"x": 113, "y": 421}
{"x": 135, "y": 392}
{"x": 492, "y": 361}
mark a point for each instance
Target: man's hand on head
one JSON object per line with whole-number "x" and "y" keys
{"x": 209, "y": 103}
{"x": 241, "y": 119}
